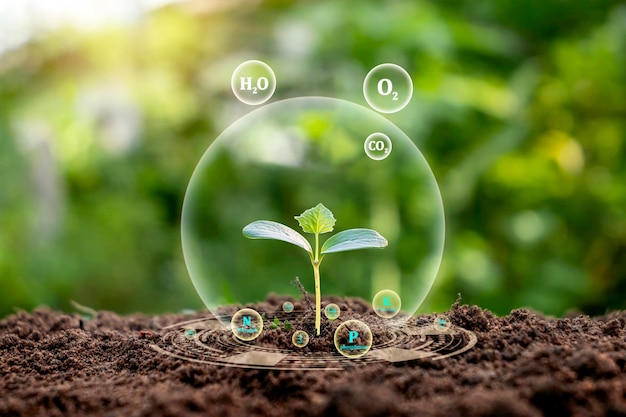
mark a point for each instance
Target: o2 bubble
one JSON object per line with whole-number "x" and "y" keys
{"x": 388, "y": 88}
{"x": 253, "y": 82}
{"x": 377, "y": 146}
{"x": 287, "y": 156}
{"x": 442, "y": 323}
{"x": 332, "y": 311}
{"x": 386, "y": 303}
{"x": 353, "y": 339}
{"x": 288, "y": 306}
{"x": 247, "y": 324}
{"x": 300, "y": 338}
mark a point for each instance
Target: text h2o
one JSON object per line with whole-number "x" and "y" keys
{"x": 262, "y": 83}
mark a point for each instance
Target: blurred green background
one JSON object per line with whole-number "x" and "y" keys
{"x": 519, "y": 107}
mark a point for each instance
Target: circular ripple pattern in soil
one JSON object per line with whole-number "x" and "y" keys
{"x": 215, "y": 345}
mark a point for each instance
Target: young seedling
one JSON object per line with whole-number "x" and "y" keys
{"x": 317, "y": 220}
{"x": 275, "y": 324}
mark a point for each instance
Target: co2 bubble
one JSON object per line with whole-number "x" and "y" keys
{"x": 253, "y": 82}
{"x": 388, "y": 88}
{"x": 377, "y": 146}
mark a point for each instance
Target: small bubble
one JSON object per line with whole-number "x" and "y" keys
{"x": 246, "y": 324}
{"x": 377, "y": 146}
{"x": 253, "y": 82}
{"x": 300, "y": 338}
{"x": 442, "y": 323}
{"x": 332, "y": 311}
{"x": 288, "y": 306}
{"x": 353, "y": 339}
{"x": 388, "y": 88}
{"x": 386, "y": 303}
{"x": 190, "y": 333}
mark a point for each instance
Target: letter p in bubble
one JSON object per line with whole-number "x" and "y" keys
{"x": 352, "y": 336}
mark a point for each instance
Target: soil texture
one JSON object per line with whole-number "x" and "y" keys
{"x": 524, "y": 364}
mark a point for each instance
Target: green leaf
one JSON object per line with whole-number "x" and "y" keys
{"x": 287, "y": 325}
{"x": 354, "y": 239}
{"x": 265, "y": 229}
{"x": 317, "y": 220}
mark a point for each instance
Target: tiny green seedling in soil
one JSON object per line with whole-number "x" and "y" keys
{"x": 317, "y": 220}
{"x": 275, "y": 324}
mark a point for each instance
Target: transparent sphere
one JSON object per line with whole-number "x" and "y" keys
{"x": 286, "y": 157}
{"x": 332, "y": 311}
{"x": 300, "y": 338}
{"x": 353, "y": 339}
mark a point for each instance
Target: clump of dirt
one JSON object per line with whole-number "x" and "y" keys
{"x": 524, "y": 364}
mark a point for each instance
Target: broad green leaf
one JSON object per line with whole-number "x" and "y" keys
{"x": 265, "y": 229}
{"x": 317, "y": 220}
{"x": 353, "y": 239}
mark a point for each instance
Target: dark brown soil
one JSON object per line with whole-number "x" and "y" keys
{"x": 523, "y": 365}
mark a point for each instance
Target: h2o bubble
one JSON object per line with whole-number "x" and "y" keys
{"x": 253, "y": 82}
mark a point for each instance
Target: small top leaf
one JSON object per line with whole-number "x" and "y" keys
{"x": 353, "y": 239}
{"x": 317, "y": 220}
{"x": 266, "y": 229}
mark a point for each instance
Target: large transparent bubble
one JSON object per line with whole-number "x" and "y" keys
{"x": 286, "y": 157}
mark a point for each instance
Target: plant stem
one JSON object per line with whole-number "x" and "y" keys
{"x": 316, "y": 274}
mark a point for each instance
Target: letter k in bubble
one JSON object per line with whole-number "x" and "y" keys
{"x": 387, "y": 301}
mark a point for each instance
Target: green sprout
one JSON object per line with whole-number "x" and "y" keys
{"x": 275, "y": 324}
{"x": 317, "y": 220}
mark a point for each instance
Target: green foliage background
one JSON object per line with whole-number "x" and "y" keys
{"x": 519, "y": 107}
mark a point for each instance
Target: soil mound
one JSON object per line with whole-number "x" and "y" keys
{"x": 524, "y": 364}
